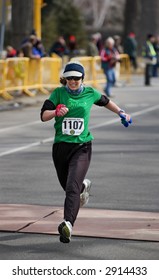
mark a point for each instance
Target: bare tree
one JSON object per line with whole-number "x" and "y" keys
{"x": 96, "y": 11}
{"x": 100, "y": 10}
{"x": 22, "y": 20}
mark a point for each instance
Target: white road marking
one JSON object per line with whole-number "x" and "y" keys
{"x": 38, "y": 143}
{"x": 15, "y": 150}
{"x": 135, "y": 105}
{"x": 10, "y": 128}
{"x": 141, "y": 112}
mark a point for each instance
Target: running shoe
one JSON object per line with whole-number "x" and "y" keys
{"x": 65, "y": 230}
{"x": 84, "y": 196}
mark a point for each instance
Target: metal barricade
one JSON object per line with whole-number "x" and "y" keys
{"x": 16, "y": 77}
{"x": 3, "y": 93}
{"x": 35, "y": 77}
{"x": 26, "y": 75}
{"x": 44, "y": 74}
{"x": 51, "y": 70}
{"x": 99, "y": 77}
{"x": 125, "y": 67}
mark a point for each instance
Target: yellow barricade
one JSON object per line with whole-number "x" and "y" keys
{"x": 35, "y": 77}
{"x": 44, "y": 73}
{"x": 125, "y": 67}
{"x": 16, "y": 77}
{"x": 99, "y": 76}
{"x": 51, "y": 70}
{"x": 3, "y": 93}
{"x": 27, "y": 74}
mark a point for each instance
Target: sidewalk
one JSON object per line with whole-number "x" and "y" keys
{"x": 128, "y": 225}
{"x": 21, "y": 100}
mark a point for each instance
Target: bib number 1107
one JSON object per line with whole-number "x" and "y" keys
{"x": 72, "y": 126}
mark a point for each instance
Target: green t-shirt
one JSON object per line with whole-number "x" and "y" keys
{"x": 73, "y": 127}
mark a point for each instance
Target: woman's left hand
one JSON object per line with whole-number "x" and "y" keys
{"x": 126, "y": 119}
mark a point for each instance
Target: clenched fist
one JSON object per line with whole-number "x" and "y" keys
{"x": 61, "y": 110}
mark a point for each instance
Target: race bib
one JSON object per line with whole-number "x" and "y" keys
{"x": 72, "y": 126}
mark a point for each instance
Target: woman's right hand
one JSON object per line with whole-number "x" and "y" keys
{"x": 61, "y": 110}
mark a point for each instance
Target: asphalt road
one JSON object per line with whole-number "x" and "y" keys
{"x": 124, "y": 171}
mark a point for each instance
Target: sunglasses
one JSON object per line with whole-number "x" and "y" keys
{"x": 73, "y": 78}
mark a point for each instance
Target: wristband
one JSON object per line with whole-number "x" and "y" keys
{"x": 121, "y": 111}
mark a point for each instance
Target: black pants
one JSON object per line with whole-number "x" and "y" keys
{"x": 71, "y": 162}
{"x": 148, "y": 74}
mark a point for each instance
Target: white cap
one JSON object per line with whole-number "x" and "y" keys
{"x": 73, "y": 69}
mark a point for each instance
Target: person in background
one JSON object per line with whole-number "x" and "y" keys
{"x": 149, "y": 55}
{"x": 59, "y": 47}
{"x": 70, "y": 105}
{"x": 130, "y": 48}
{"x": 92, "y": 49}
{"x": 34, "y": 45}
{"x": 156, "y": 48}
{"x": 72, "y": 47}
{"x": 20, "y": 53}
{"x": 10, "y": 52}
{"x": 26, "y": 39}
{"x": 28, "y": 48}
{"x": 99, "y": 42}
{"x": 38, "y": 49}
{"x": 118, "y": 45}
{"x": 109, "y": 57}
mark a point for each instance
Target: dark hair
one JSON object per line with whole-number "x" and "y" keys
{"x": 63, "y": 81}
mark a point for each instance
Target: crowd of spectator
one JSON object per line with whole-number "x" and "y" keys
{"x": 32, "y": 47}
